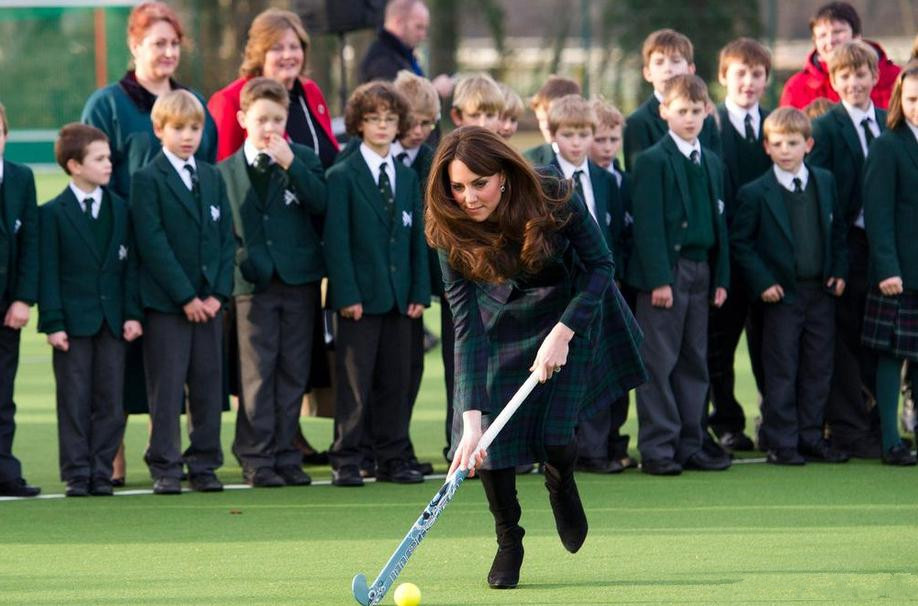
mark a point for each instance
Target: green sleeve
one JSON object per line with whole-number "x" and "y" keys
{"x": 420, "y": 271}
{"x": 224, "y": 285}
{"x": 133, "y": 309}
{"x": 26, "y": 288}
{"x": 743, "y": 236}
{"x": 343, "y": 289}
{"x": 50, "y": 306}
{"x": 649, "y": 230}
{"x": 308, "y": 180}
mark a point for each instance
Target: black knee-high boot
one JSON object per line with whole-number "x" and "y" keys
{"x": 570, "y": 519}
{"x": 500, "y": 488}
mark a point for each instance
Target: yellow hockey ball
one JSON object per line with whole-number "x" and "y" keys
{"x": 407, "y": 594}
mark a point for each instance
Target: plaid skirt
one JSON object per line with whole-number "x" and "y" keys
{"x": 891, "y": 324}
{"x": 602, "y": 365}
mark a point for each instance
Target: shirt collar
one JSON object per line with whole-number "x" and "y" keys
{"x": 569, "y": 169}
{"x": 786, "y": 179}
{"x": 685, "y": 148}
{"x": 1, "y": 168}
{"x": 658, "y": 96}
{"x": 373, "y": 159}
{"x": 858, "y": 114}
{"x": 738, "y": 114}
{"x": 251, "y": 152}
{"x": 397, "y": 148}
{"x": 178, "y": 163}
{"x": 81, "y": 195}
{"x": 913, "y": 128}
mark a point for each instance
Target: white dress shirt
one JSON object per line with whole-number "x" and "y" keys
{"x": 857, "y": 115}
{"x": 81, "y": 196}
{"x": 568, "y": 170}
{"x": 179, "y": 165}
{"x": 374, "y": 160}
{"x": 911, "y": 126}
{"x": 397, "y": 148}
{"x": 685, "y": 147}
{"x": 738, "y": 115}
{"x": 786, "y": 179}
{"x": 251, "y": 152}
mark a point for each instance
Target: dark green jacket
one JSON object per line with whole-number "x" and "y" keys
{"x": 186, "y": 249}
{"x": 130, "y": 133}
{"x": 276, "y": 236}
{"x": 891, "y": 209}
{"x": 660, "y": 194}
{"x": 372, "y": 260}
{"x": 18, "y": 236}
{"x": 838, "y": 150}
{"x": 82, "y": 286}
{"x": 645, "y": 126}
{"x": 730, "y": 141}
{"x": 540, "y": 155}
{"x": 762, "y": 239}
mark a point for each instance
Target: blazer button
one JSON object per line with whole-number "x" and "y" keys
{"x": 677, "y": 247}
{"x": 269, "y": 243}
{"x": 204, "y": 268}
{"x": 104, "y": 298}
{"x": 684, "y": 224}
{"x": 392, "y": 268}
{"x": 265, "y": 217}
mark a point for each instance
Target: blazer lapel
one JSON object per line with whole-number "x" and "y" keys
{"x": 600, "y": 196}
{"x": 9, "y": 179}
{"x": 276, "y": 185}
{"x": 678, "y": 166}
{"x": 74, "y": 213}
{"x": 175, "y": 183}
{"x": 904, "y": 133}
{"x": 659, "y": 124}
{"x": 117, "y": 239}
{"x": 404, "y": 213}
{"x": 846, "y": 127}
{"x": 208, "y": 195}
{"x": 728, "y": 140}
{"x": 775, "y": 203}
{"x": 366, "y": 186}
{"x": 881, "y": 119}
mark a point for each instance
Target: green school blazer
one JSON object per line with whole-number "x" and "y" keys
{"x": 186, "y": 248}
{"x": 838, "y": 150}
{"x": 18, "y": 235}
{"x": 891, "y": 209}
{"x": 730, "y": 150}
{"x": 277, "y": 235}
{"x": 372, "y": 259}
{"x": 645, "y": 126}
{"x": 81, "y": 285}
{"x": 660, "y": 194}
{"x": 762, "y": 239}
{"x": 540, "y": 155}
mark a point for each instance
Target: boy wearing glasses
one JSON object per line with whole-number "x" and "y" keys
{"x": 378, "y": 282}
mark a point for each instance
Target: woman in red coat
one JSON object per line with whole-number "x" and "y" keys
{"x": 277, "y": 48}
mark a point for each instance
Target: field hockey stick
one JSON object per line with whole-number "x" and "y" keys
{"x": 372, "y": 595}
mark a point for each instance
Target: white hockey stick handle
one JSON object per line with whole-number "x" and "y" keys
{"x": 518, "y": 398}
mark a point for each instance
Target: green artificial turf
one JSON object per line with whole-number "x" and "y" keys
{"x": 755, "y": 534}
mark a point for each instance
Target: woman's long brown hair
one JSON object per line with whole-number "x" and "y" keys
{"x": 896, "y": 115}
{"x": 518, "y": 235}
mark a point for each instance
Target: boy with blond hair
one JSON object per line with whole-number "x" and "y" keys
{"x": 680, "y": 266}
{"x": 184, "y": 234}
{"x": 666, "y": 53}
{"x": 477, "y": 101}
{"x": 744, "y": 69}
{"x": 842, "y": 144}
{"x": 512, "y": 112}
{"x": 607, "y": 140}
{"x": 555, "y": 87}
{"x": 789, "y": 241}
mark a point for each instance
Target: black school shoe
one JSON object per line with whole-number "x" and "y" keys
{"x": 660, "y": 467}
{"x": 822, "y": 452}
{"x": 78, "y": 487}
{"x": 900, "y": 455}
{"x": 599, "y": 466}
{"x": 422, "y": 467}
{"x": 18, "y": 488}
{"x": 347, "y": 475}
{"x": 101, "y": 487}
{"x": 205, "y": 482}
{"x": 293, "y": 475}
{"x": 702, "y": 461}
{"x": 262, "y": 477}
{"x": 785, "y": 456}
{"x": 736, "y": 440}
{"x": 398, "y": 471}
{"x": 167, "y": 486}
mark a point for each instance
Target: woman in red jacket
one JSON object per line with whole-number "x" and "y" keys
{"x": 277, "y": 48}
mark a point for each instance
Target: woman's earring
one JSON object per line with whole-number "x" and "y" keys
{"x": 502, "y": 188}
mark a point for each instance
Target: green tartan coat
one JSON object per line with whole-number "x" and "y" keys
{"x": 499, "y": 328}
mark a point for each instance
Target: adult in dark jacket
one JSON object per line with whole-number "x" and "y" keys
{"x": 529, "y": 278}
{"x": 122, "y": 111}
{"x": 833, "y": 25}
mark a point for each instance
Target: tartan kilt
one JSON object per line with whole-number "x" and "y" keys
{"x": 891, "y": 324}
{"x": 602, "y": 365}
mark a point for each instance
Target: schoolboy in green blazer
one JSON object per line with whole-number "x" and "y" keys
{"x": 378, "y": 279}
{"x": 276, "y": 190}
{"x": 841, "y": 146}
{"x": 88, "y": 307}
{"x": 184, "y": 233}
{"x": 789, "y": 240}
{"x": 18, "y": 290}
{"x": 679, "y": 264}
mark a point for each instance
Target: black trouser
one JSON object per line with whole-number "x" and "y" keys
{"x": 178, "y": 353}
{"x": 725, "y": 327}
{"x": 275, "y": 329}
{"x": 798, "y": 367}
{"x": 848, "y": 414}
{"x": 10, "y": 468}
{"x": 89, "y": 379}
{"x": 372, "y": 370}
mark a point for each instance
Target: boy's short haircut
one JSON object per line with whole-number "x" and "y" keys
{"x": 513, "y": 104}
{"x": 4, "y": 125}
{"x": 371, "y": 97}
{"x": 817, "y": 107}
{"x": 554, "y": 88}
{"x": 685, "y": 86}
{"x": 263, "y": 88}
{"x": 745, "y": 50}
{"x": 177, "y": 107}
{"x": 667, "y": 41}
{"x": 852, "y": 55}
{"x": 838, "y": 11}
{"x": 787, "y": 121}
{"x": 607, "y": 115}
{"x": 73, "y": 141}
{"x": 479, "y": 91}
{"x": 572, "y": 111}
{"x": 419, "y": 92}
